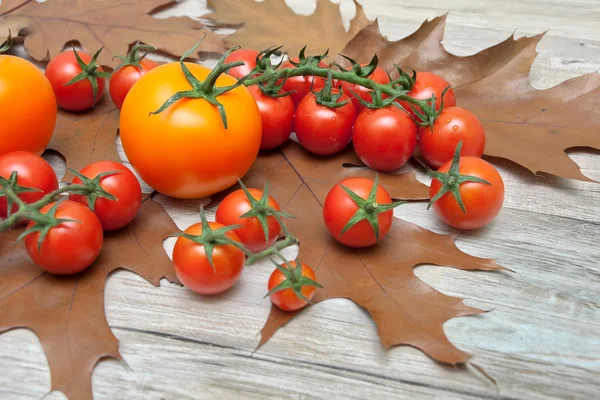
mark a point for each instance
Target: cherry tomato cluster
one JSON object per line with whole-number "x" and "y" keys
{"x": 64, "y": 234}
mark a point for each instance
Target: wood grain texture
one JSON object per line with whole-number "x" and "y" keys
{"x": 541, "y": 341}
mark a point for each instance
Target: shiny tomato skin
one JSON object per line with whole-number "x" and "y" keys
{"x": 378, "y": 76}
{"x": 384, "y": 139}
{"x": 427, "y": 84}
{"x": 339, "y": 208}
{"x": 301, "y": 84}
{"x": 252, "y": 234}
{"x": 286, "y": 299}
{"x": 277, "y": 118}
{"x": 185, "y": 151}
{"x": 123, "y": 79}
{"x": 248, "y": 56}
{"x": 322, "y": 130}
{"x": 78, "y": 96}
{"x": 482, "y": 202}
{"x": 195, "y": 272}
{"x": 454, "y": 124}
{"x": 113, "y": 214}
{"x": 32, "y": 171}
{"x": 27, "y": 122}
{"x": 70, "y": 247}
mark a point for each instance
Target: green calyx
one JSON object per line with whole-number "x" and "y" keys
{"x": 452, "y": 180}
{"x": 205, "y": 90}
{"x": 326, "y": 97}
{"x": 7, "y": 44}
{"x": 293, "y": 280}
{"x": 94, "y": 190}
{"x": 368, "y": 209}
{"x": 11, "y": 185}
{"x": 90, "y": 72}
{"x": 133, "y": 58}
{"x": 428, "y": 115}
{"x": 210, "y": 238}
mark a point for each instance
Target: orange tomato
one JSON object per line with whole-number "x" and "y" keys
{"x": 27, "y": 106}
{"x": 185, "y": 151}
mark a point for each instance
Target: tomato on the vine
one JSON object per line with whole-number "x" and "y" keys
{"x": 277, "y": 118}
{"x": 248, "y": 56}
{"x": 384, "y": 138}
{"x": 378, "y": 76}
{"x": 426, "y": 85}
{"x": 32, "y": 172}
{"x": 286, "y": 299}
{"x": 322, "y": 130}
{"x": 70, "y": 246}
{"x": 27, "y": 122}
{"x": 127, "y": 73}
{"x": 301, "y": 85}
{"x": 454, "y": 125}
{"x": 123, "y": 185}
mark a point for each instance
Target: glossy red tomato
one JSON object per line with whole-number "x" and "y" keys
{"x": 252, "y": 233}
{"x": 385, "y": 138}
{"x": 123, "y": 79}
{"x": 248, "y": 56}
{"x": 322, "y": 130}
{"x": 301, "y": 84}
{"x": 77, "y": 96}
{"x": 69, "y": 247}
{"x": 378, "y": 76}
{"x": 454, "y": 124}
{"x": 286, "y": 299}
{"x": 194, "y": 270}
{"x": 113, "y": 214}
{"x": 428, "y": 84}
{"x": 277, "y": 118}
{"x": 32, "y": 172}
{"x": 482, "y": 202}
{"x": 339, "y": 208}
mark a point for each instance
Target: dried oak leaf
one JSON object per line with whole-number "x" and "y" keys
{"x": 530, "y": 127}
{"x": 319, "y": 31}
{"x": 112, "y": 24}
{"x": 67, "y": 313}
{"x": 380, "y": 279}
{"x": 12, "y": 25}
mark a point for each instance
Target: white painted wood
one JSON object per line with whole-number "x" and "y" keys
{"x": 541, "y": 341}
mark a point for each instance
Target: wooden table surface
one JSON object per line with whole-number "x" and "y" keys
{"x": 541, "y": 341}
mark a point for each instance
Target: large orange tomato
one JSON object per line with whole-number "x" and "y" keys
{"x": 185, "y": 151}
{"x": 27, "y": 106}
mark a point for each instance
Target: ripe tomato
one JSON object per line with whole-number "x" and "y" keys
{"x": 252, "y": 233}
{"x": 69, "y": 247}
{"x": 322, "y": 130}
{"x": 123, "y": 79}
{"x": 378, "y": 76}
{"x": 301, "y": 84}
{"x": 27, "y": 122}
{"x": 482, "y": 202}
{"x": 32, "y": 172}
{"x": 277, "y": 118}
{"x": 248, "y": 56}
{"x": 185, "y": 151}
{"x": 113, "y": 214}
{"x": 80, "y": 95}
{"x": 195, "y": 271}
{"x": 427, "y": 84}
{"x": 286, "y": 299}
{"x": 385, "y": 138}
{"x": 454, "y": 124}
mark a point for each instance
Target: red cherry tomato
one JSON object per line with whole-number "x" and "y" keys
{"x": 454, "y": 124}
{"x": 286, "y": 299}
{"x": 123, "y": 79}
{"x": 69, "y": 247}
{"x": 194, "y": 270}
{"x": 113, "y": 214}
{"x": 301, "y": 84}
{"x": 385, "y": 138}
{"x": 482, "y": 202}
{"x": 248, "y": 56}
{"x": 322, "y": 130}
{"x": 252, "y": 233}
{"x": 77, "y": 96}
{"x": 339, "y": 208}
{"x": 277, "y": 118}
{"x": 378, "y": 76}
{"x": 32, "y": 172}
{"x": 427, "y": 84}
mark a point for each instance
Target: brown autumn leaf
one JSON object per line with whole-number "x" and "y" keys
{"x": 12, "y": 25}
{"x": 112, "y": 24}
{"x": 530, "y": 127}
{"x": 405, "y": 309}
{"x": 319, "y": 31}
{"x": 67, "y": 313}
